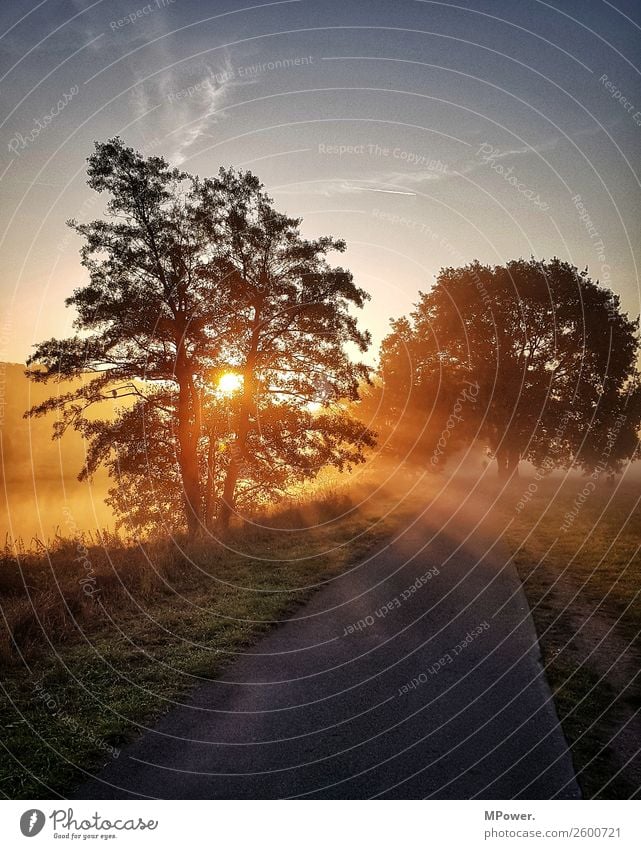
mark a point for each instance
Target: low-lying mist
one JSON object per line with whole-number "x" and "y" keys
{"x": 41, "y": 494}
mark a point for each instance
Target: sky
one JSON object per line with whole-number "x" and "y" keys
{"x": 426, "y": 134}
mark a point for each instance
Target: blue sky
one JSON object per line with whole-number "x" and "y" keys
{"x": 426, "y": 134}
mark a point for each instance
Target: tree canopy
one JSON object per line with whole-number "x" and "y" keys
{"x": 191, "y": 279}
{"x": 213, "y": 342}
{"x": 538, "y": 360}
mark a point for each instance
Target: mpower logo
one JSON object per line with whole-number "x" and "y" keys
{"x": 32, "y": 822}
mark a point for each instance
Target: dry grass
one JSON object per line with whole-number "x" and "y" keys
{"x": 84, "y": 672}
{"x": 48, "y": 595}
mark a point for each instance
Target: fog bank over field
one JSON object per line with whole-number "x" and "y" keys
{"x": 41, "y": 494}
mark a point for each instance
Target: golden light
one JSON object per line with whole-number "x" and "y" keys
{"x": 230, "y": 382}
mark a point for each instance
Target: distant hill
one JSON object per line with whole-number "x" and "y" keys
{"x": 38, "y": 476}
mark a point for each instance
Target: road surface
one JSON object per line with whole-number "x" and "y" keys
{"x": 374, "y": 689}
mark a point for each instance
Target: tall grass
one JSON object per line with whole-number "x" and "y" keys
{"x": 86, "y": 666}
{"x": 50, "y": 594}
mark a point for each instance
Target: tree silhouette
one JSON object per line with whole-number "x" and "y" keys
{"x": 550, "y": 354}
{"x": 154, "y": 311}
{"x": 190, "y": 279}
{"x": 292, "y": 325}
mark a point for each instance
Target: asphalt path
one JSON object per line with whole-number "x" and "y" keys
{"x": 417, "y": 674}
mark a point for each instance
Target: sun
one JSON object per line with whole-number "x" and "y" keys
{"x": 230, "y": 382}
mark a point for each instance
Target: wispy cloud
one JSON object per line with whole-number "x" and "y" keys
{"x": 196, "y": 105}
{"x": 389, "y": 182}
{"x": 192, "y": 101}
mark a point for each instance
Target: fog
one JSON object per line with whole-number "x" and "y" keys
{"x": 41, "y": 495}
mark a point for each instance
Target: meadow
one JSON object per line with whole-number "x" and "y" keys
{"x": 582, "y": 577}
{"x": 100, "y": 637}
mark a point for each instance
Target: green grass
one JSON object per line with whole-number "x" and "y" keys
{"x": 583, "y": 587}
{"x": 135, "y": 650}
{"x": 71, "y": 706}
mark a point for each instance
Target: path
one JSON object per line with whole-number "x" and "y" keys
{"x": 318, "y": 712}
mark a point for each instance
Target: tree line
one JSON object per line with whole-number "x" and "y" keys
{"x": 221, "y": 340}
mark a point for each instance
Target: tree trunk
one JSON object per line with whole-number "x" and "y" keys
{"x": 501, "y": 464}
{"x": 236, "y": 460}
{"x": 513, "y": 459}
{"x": 210, "y": 487}
{"x": 188, "y": 455}
{"x": 247, "y": 401}
{"x": 229, "y": 490}
{"x": 507, "y": 461}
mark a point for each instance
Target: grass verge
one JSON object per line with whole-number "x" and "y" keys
{"x": 582, "y": 578}
{"x": 87, "y": 665}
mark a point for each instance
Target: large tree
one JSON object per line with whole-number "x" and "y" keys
{"x": 549, "y": 359}
{"x": 290, "y": 346}
{"x": 154, "y": 312}
{"x": 190, "y": 280}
